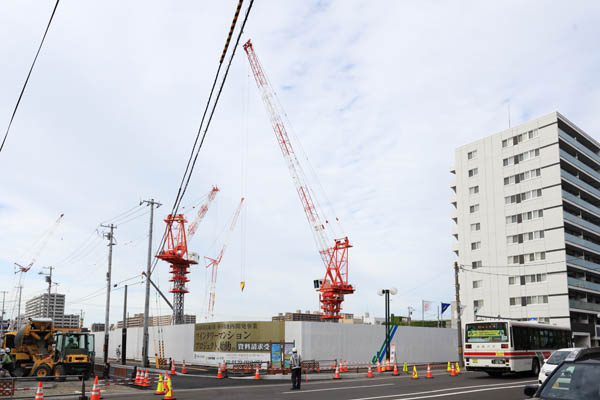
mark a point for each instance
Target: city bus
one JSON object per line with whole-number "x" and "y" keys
{"x": 502, "y": 346}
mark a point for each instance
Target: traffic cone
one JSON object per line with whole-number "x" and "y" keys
{"x": 345, "y": 366}
{"x": 95, "y": 391}
{"x": 337, "y": 373}
{"x": 160, "y": 389}
{"x": 183, "y": 368}
{"x": 146, "y": 381}
{"x": 414, "y": 374}
{"x": 369, "y": 372}
{"x": 39, "y": 394}
{"x": 457, "y": 369}
{"x": 428, "y": 372}
{"x": 257, "y": 374}
{"x": 219, "y": 374}
{"x": 452, "y": 371}
{"x": 395, "y": 373}
{"x": 169, "y": 395}
{"x": 172, "y": 367}
{"x": 405, "y": 368}
{"x": 449, "y": 366}
{"x": 378, "y": 369}
{"x": 138, "y": 379}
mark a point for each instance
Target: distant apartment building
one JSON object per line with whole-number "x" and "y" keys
{"x": 97, "y": 327}
{"x": 527, "y": 224}
{"x": 160, "y": 320}
{"x": 314, "y": 316}
{"x": 52, "y": 306}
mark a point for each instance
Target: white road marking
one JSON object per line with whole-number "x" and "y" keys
{"x": 340, "y": 388}
{"x": 445, "y": 390}
{"x": 457, "y": 393}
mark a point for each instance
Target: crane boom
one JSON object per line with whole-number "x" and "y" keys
{"x": 335, "y": 258}
{"x": 214, "y": 263}
{"x": 202, "y": 212}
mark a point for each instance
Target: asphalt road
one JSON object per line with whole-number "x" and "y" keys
{"x": 466, "y": 386}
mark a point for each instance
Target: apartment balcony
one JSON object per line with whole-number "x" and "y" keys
{"x": 581, "y": 284}
{"x": 454, "y": 200}
{"x": 584, "y": 305}
{"x": 578, "y": 182}
{"x": 583, "y": 263}
{"x": 586, "y": 244}
{"x": 455, "y": 247}
{"x": 453, "y": 185}
{"x": 579, "y": 146}
{"x": 454, "y": 216}
{"x": 581, "y": 203}
{"x": 455, "y": 231}
{"x": 566, "y": 156}
{"x": 581, "y": 222}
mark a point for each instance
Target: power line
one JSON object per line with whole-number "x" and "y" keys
{"x": 196, "y": 150}
{"x": 28, "y": 75}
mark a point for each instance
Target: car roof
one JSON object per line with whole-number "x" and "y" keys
{"x": 592, "y": 353}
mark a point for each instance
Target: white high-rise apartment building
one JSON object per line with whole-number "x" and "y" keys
{"x": 528, "y": 226}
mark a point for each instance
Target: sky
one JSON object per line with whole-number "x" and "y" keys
{"x": 378, "y": 95}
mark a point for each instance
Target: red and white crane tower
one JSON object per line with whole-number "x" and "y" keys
{"x": 202, "y": 212}
{"x": 335, "y": 283}
{"x": 214, "y": 263}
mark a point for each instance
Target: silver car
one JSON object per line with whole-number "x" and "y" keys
{"x": 556, "y": 358}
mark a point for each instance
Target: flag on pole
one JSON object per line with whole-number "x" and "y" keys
{"x": 427, "y": 305}
{"x": 445, "y": 307}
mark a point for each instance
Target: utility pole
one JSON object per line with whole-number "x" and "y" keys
{"x": 146, "y": 338}
{"x": 124, "y": 330}
{"x": 2, "y": 322}
{"x": 49, "y": 282}
{"x": 111, "y": 243}
{"x": 458, "y": 319}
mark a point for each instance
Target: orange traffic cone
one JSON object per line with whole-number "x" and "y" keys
{"x": 219, "y": 374}
{"x": 160, "y": 389}
{"x": 452, "y": 371}
{"x": 169, "y": 394}
{"x": 183, "y": 368}
{"x": 428, "y": 372}
{"x": 395, "y": 373}
{"x": 369, "y": 372}
{"x": 137, "y": 378}
{"x": 39, "y": 394}
{"x": 345, "y": 366}
{"x": 337, "y": 373}
{"x": 414, "y": 374}
{"x": 257, "y": 374}
{"x": 172, "y": 367}
{"x": 146, "y": 381}
{"x": 378, "y": 369}
{"x": 95, "y": 391}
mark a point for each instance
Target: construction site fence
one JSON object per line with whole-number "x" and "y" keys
{"x": 19, "y": 387}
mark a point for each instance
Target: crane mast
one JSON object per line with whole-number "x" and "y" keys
{"x": 335, "y": 258}
{"x": 214, "y": 263}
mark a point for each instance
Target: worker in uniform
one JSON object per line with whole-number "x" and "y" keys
{"x": 296, "y": 367}
{"x": 8, "y": 362}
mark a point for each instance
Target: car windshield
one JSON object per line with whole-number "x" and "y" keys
{"x": 557, "y": 357}
{"x": 573, "y": 381}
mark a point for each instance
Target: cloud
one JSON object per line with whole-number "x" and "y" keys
{"x": 380, "y": 94}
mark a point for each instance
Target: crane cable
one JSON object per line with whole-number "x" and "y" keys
{"x": 201, "y": 136}
{"x": 28, "y": 75}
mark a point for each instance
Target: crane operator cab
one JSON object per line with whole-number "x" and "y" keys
{"x": 73, "y": 353}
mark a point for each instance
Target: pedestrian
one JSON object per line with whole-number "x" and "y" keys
{"x": 296, "y": 367}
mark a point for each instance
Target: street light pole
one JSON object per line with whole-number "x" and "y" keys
{"x": 387, "y": 293}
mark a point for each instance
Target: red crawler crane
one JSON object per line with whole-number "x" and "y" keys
{"x": 175, "y": 252}
{"x": 335, "y": 284}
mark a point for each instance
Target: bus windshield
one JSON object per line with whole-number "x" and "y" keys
{"x": 487, "y": 332}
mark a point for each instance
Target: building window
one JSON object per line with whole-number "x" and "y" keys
{"x": 477, "y": 304}
{"x": 526, "y": 258}
{"x": 524, "y": 237}
{"x": 473, "y": 172}
{"x": 475, "y": 227}
{"x": 518, "y": 198}
{"x": 526, "y": 279}
{"x": 521, "y": 157}
{"x": 526, "y": 216}
{"x": 476, "y": 264}
{"x": 477, "y": 284}
{"x": 474, "y": 190}
{"x": 528, "y": 300}
{"x": 476, "y": 245}
{"x": 472, "y": 154}
{"x": 522, "y": 137}
{"x": 474, "y": 208}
